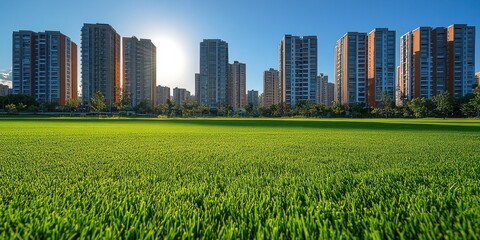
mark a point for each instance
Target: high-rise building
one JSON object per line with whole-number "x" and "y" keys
{"x": 162, "y": 94}
{"x": 381, "y": 65}
{"x": 298, "y": 69}
{"x": 478, "y": 79}
{"x": 44, "y": 66}
{"x": 213, "y": 84}
{"x": 180, "y": 95}
{"x": 4, "y": 90}
{"x": 460, "y": 59}
{"x": 237, "y": 85}
{"x": 139, "y": 70}
{"x": 261, "y": 102}
{"x": 197, "y": 86}
{"x": 322, "y": 82}
{"x": 252, "y": 97}
{"x": 434, "y": 60}
{"x": 100, "y": 62}
{"x": 416, "y": 64}
{"x": 272, "y": 88}
{"x": 330, "y": 93}
{"x": 351, "y": 68}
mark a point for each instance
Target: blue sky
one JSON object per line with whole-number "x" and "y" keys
{"x": 252, "y": 28}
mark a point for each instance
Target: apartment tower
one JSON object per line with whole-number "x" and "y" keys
{"x": 139, "y": 70}
{"x": 434, "y": 60}
{"x": 213, "y": 83}
{"x": 460, "y": 59}
{"x": 237, "y": 85}
{"x": 100, "y": 62}
{"x": 298, "y": 69}
{"x": 351, "y": 68}
{"x": 44, "y": 66}
{"x": 322, "y": 81}
{"x": 272, "y": 88}
{"x": 381, "y": 65}
{"x": 162, "y": 94}
{"x": 252, "y": 98}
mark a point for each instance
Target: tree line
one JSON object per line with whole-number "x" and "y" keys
{"x": 442, "y": 105}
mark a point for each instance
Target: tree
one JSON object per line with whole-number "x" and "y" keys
{"x": 71, "y": 104}
{"x": 161, "y": 109}
{"x": 170, "y": 107}
{"x": 143, "y": 107}
{"x": 443, "y": 104}
{"x": 16, "y": 99}
{"x": 419, "y": 107}
{"x": 275, "y": 110}
{"x": 97, "y": 102}
{"x": 249, "y": 109}
{"x": 386, "y": 103}
{"x": 11, "y": 108}
{"x": 356, "y": 109}
{"x": 123, "y": 103}
{"x": 337, "y": 108}
{"x": 473, "y": 105}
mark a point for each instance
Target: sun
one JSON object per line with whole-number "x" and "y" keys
{"x": 171, "y": 59}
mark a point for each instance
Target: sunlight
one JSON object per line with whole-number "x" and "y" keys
{"x": 171, "y": 59}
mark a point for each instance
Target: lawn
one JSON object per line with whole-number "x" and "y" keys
{"x": 239, "y": 178}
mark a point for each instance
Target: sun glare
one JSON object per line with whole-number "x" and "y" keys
{"x": 171, "y": 59}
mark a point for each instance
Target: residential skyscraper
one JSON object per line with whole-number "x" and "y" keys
{"x": 433, "y": 60}
{"x": 162, "y": 94}
{"x": 100, "y": 62}
{"x": 23, "y": 63}
{"x": 213, "y": 84}
{"x": 272, "y": 88}
{"x": 180, "y": 95}
{"x": 460, "y": 59}
{"x": 139, "y": 70}
{"x": 330, "y": 93}
{"x": 44, "y": 66}
{"x": 4, "y": 90}
{"x": 252, "y": 97}
{"x": 322, "y": 82}
{"x": 197, "y": 86}
{"x": 237, "y": 85}
{"x": 478, "y": 79}
{"x": 381, "y": 65}
{"x": 298, "y": 69}
{"x": 351, "y": 68}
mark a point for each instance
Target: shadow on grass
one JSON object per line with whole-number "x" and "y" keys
{"x": 332, "y": 124}
{"x": 346, "y": 124}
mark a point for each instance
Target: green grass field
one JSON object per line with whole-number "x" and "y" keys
{"x": 235, "y": 178}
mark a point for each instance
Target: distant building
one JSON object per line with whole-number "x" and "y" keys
{"x": 100, "y": 62}
{"x": 330, "y": 93}
{"x": 478, "y": 79}
{"x": 44, "y": 66}
{"x": 326, "y": 90}
{"x": 261, "y": 100}
{"x": 252, "y": 97}
{"x": 4, "y": 90}
{"x": 381, "y": 65}
{"x": 298, "y": 69}
{"x": 272, "y": 88}
{"x": 351, "y": 68}
{"x": 322, "y": 82}
{"x": 213, "y": 82}
{"x": 460, "y": 59}
{"x": 180, "y": 95}
{"x": 434, "y": 60}
{"x": 237, "y": 73}
{"x": 197, "y": 87}
{"x": 162, "y": 94}
{"x": 139, "y": 70}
